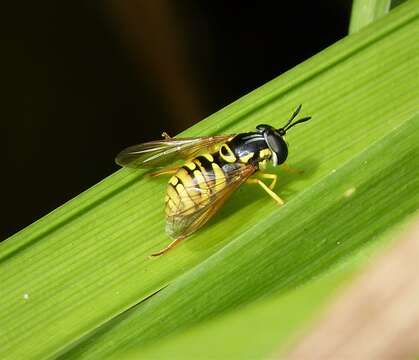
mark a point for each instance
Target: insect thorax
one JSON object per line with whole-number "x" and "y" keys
{"x": 246, "y": 148}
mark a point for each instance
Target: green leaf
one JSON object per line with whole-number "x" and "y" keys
{"x": 263, "y": 328}
{"x": 340, "y": 223}
{"x": 66, "y": 278}
{"x": 365, "y": 12}
{"x": 266, "y": 326}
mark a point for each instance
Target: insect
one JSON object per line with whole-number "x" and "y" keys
{"x": 213, "y": 168}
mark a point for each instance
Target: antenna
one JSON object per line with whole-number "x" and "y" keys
{"x": 288, "y": 125}
{"x": 293, "y": 115}
{"x": 298, "y": 122}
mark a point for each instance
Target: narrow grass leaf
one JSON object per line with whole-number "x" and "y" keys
{"x": 363, "y": 95}
{"x": 364, "y": 12}
{"x": 66, "y": 279}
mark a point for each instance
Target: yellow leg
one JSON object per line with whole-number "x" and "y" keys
{"x": 166, "y": 135}
{"x": 168, "y": 247}
{"x": 266, "y": 188}
{"x": 291, "y": 170}
{"x": 273, "y": 177}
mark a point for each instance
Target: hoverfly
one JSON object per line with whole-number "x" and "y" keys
{"x": 213, "y": 168}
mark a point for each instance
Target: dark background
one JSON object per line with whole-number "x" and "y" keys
{"x": 83, "y": 79}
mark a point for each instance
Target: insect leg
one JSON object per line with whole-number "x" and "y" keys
{"x": 273, "y": 177}
{"x": 168, "y": 247}
{"x": 266, "y": 188}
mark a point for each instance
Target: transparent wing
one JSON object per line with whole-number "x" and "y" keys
{"x": 161, "y": 153}
{"x": 207, "y": 195}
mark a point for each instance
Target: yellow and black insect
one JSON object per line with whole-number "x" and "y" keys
{"x": 214, "y": 167}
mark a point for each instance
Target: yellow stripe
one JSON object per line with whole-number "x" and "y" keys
{"x": 220, "y": 178}
{"x": 184, "y": 177}
{"x": 187, "y": 203}
{"x": 189, "y": 185}
{"x": 173, "y": 180}
{"x": 230, "y": 157}
{"x": 247, "y": 157}
{"x": 203, "y": 172}
{"x": 205, "y": 192}
{"x": 208, "y": 157}
{"x": 265, "y": 153}
{"x": 173, "y": 195}
{"x": 190, "y": 165}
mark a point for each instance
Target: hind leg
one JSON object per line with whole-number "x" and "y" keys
{"x": 168, "y": 247}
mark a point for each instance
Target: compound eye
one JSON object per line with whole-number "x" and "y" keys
{"x": 274, "y": 142}
{"x": 278, "y": 146}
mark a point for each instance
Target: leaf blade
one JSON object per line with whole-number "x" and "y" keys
{"x": 365, "y": 12}
{"x": 86, "y": 263}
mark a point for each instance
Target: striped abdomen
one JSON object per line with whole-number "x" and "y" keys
{"x": 193, "y": 184}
